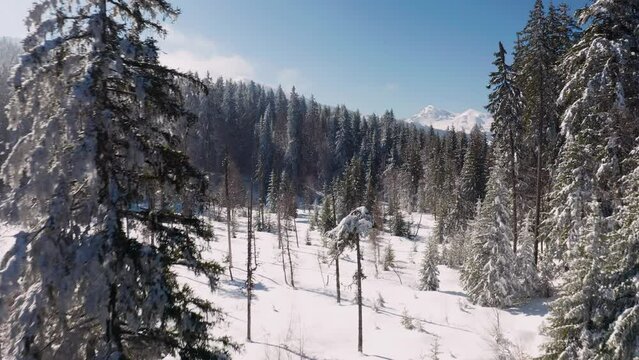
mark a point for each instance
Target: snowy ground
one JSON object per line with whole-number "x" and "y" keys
{"x": 306, "y": 322}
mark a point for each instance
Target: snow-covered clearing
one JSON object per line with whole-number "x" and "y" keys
{"x": 306, "y": 322}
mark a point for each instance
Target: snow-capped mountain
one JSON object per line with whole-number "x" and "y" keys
{"x": 441, "y": 119}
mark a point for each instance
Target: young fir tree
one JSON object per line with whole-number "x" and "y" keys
{"x": 428, "y": 274}
{"x": 326, "y": 220}
{"x": 527, "y": 271}
{"x": 505, "y": 104}
{"x": 104, "y": 140}
{"x": 577, "y": 317}
{"x": 389, "y": 257}
{"x": 489, "y": 275}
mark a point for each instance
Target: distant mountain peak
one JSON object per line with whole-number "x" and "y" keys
{"x": 431, "y": 112}
{"x": 442, "y": 119}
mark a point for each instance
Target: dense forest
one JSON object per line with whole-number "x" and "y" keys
{"x": 113, "y": 158}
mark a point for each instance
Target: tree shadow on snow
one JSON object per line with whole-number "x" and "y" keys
{"x": 285, "y": 348}
{"x": 454, "y": 293}
{"x": 237, "y": 289}
{"x": 377, "y": 356}
{"x": 385, "y": 311}
{"x": 535, "y": 307}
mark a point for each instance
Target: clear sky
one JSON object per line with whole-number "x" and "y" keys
{"x": 368, "y": 54}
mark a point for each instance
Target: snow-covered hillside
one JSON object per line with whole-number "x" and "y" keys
{"x": 442, "y": 120}
{"x": 306, "y": 322}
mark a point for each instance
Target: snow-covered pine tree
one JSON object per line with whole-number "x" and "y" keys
{"x": 536, "y": 79}
{"x": 326, "y": 220}
{"x": 265, "y": 152}
{"x": 429, "y": 274}
{"x": 389, "y": 257}
{"x": 576, "y": 321}
{"x": 102, "y": 158}
{"x": 599, "y": 123}
{"x": 293, "y": 130}
{"x": 622, "y": 336}
{"x": 455, "y": 250}
{"x": 347, "y": 233}
{"x": 489, "y": 275}
{"x": 527, "y": 271}
{"x": 344, "y": 141}
{"x": 471, "y": 187}
{"x": 272, "y": 196}
{"x": 349, "y": 188}
{"x": 506, "y": 106}
{"x": 9, "y": 51}
{"x": 398, "y": 226}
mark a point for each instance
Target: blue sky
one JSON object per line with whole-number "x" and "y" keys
{"x": 368, "y": 54}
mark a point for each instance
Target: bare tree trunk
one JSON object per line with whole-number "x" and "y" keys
{"x": 279, "y": 240}
{"x": 249, "y": 268}
{"x": 339, "y": 295}
{"x": 228, "y": 216}
{"x": 254, "y": 249}
{"x": 279, "y": 230}
{"x": 540, "y": 144}
{"x": 359, "y": 295}
{"x": 418, "y": 224}
{"x": 290, "y": 261}
{"x": 375, "y": 243}
{"x": 538, "y": 190}
{"x": 297, "y": 240}
{"x": 513, "y": 174}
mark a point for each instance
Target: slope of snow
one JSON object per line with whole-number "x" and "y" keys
{"x": 443, "y": 120}
{"x": 305, "y": 322}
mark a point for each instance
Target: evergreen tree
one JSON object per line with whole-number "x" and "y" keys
{"x": 326, "y": 219}
{"x": 398, "y": 225}
{"x": 265, "y": 152}
{"x": 535, "y": 64}
{"x": 347, "y": 234}
{"x": 600, "y": 121}
{"x": 272, "y": 197}
{"x": 471, "y": 188}
{"x": 576, "y": 322}
{"x": 108, "y": 137}
{"x": 505, "y": 104}
{"x": 428, "y": 274}
{"x": 529, "y": 279}
{"x": 489, "y": 275}
{"x": 293, "y": 130}
{"x": 344, "y": 140}
{"x": 621, "y": 338}
{"x": 389, "y": 257}
{"x": 9, "y": 51}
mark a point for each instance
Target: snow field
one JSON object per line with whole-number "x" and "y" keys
{"x": 306, "y": 322}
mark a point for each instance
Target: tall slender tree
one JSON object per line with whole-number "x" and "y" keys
{"x": 347, "y": 234}
{"x": 293, "y": 130}
{"x": 506, "y": 105}
{"x": 535, "y": 67}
